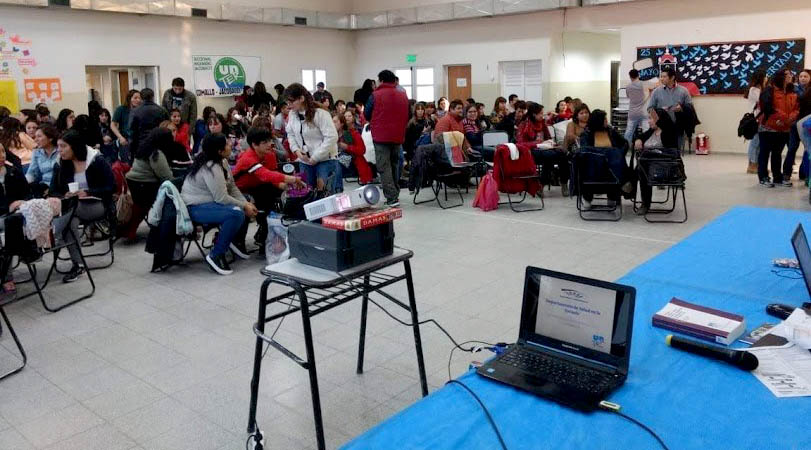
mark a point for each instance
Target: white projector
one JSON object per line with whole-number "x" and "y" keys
{"x": 362, "y": 197}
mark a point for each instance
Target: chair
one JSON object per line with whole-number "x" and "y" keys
{"x": 5, "y": 261}
{"x": 491, "y": 140}
{"x": 106, "y": 226}
{"x": 517, "y": 176}
{"x": 431, "y": 169}
{"x": 593, "y": 172}
{"x": 662, "y": 167}
{"x": 56, "y": 249}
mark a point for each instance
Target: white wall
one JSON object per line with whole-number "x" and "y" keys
{"x": 65, "y": 41}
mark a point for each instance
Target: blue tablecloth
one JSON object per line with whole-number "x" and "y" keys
{"x": 691, "y": 402}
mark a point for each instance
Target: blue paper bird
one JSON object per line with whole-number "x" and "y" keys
{"x": 703, "y": 89}
{"x": 771, "y": 58}
{"x": 757, "y": 62}
{"x": 727, "y": 84}
{"x": 735, "y": 71}
{"x": 745, "y": 67}
{"x": 713, "y": 81}
{"x": 660, "y": 52}
{"x": 743, "y": 83}
{"x": 760, "y": 54}
{"x": 799, "y": 57}
{"x": 790, "y": 44}
{"x": 723, "y": 75}
{"x": 774, "y": 47}
{"x": 684, "y": 47}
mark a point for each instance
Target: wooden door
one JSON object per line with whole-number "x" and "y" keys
{"x": 459, "y": 82}
{"x": 123, "y": 86}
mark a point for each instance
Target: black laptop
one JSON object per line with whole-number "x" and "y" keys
{"x": 800, "y": 243}
{"x": 575, "y": 339}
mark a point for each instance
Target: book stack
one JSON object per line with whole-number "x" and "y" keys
{"x": 699, "y": 321}
{"x": 361, "y": 219}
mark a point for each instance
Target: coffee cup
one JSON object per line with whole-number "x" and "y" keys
{"x": 73, "y": 187}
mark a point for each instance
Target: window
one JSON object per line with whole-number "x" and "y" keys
{"x": 522, "y": 78}
{"x": 418, "y": 82}
{"x": 311, "y": 77}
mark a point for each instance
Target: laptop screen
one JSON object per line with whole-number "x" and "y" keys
{"x": 801, "y": 249}
{"x": 588, "y": 318}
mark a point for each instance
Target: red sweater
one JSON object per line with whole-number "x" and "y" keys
{"x": 250, "y": 172}
{"x": 357, "y": 149}
{"x": 182, "y": 136}
{"x": 530, "y": 132}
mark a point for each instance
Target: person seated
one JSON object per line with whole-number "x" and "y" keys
{"x": 213, "y": 198}
{"x": 661, "y": 134}
{"x": 350, "y": 143}
{"x": 470, "y": 124}
{"x": 150, "y": 168}
{"x": 499, "y": 112}
{"x": 451, "y": 121}
{"x": 482, "y": 118}
{"x": 561, "y": 113}
{"x": 510, "y": 123}
{"x": 599, "y": 135}
{"x": 576, "y": 127}
{"x": 83, "y": 174}
{"x": 19, "y": 146}
{"x": 182, "y": 133}
{"x": 533, "y": 130}
{"x": 40, "y": 172}
{"x": 14, "y": 189}
{"x": 257, "y": 174}
{"x": 201, "y": 127}
{"x": 176, "y": 154}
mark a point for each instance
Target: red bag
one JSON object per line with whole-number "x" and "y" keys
{"x": 487, "y": 194}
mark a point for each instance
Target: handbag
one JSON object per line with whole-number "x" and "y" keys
{"x": 123, "y": 205}
{"x": 748, "y": 126}
{"x": 487, "y": 194}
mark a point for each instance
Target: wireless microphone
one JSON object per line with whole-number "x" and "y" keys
{"x": 738, "y": 358}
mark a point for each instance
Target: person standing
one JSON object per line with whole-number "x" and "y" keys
{"x": 313, "y": 138}
{"x": 387, "y": 113}
{"x": 637, "y": 97}
{"x": 148, "y": 116}
{"x": 321, "y": 93}
{"x": 671, "y": 97}
{"x": 780, "y": 110}
{"x": 803, "y": 79}
{"x": 756, "y": 86}
{"x": 120, "y": 124}
{"x": 362, "y": 95}
{"x": 261, "y": 97}
{"x": 180, "y": 98}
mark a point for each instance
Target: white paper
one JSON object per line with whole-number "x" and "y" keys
{"x": 796, "y": 328}
{"x": 785, "y": 370}
{"x": 461, "y": 82}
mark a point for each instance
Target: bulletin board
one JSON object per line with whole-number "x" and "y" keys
{"x": 8, "y": 95}
{"x": 45, "y": 90}
{"x": 721, "y": 68}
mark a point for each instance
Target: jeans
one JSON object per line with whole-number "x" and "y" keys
{"x": 400, "y": 164}
{"x": 633, "y": 124}
{"x": 230, "y": 218}
{"x": 387, "y": 158}
{"x": 323, "y": 171}
{"x": 771, "y": 147}
{"x": 86, "y": 211}
{"x": 805, "y": 137}
{"x": 791, "y": 154}
{"x": 754, "y": 149}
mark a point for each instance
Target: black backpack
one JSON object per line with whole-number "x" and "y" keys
{"x": 748, "y": 126}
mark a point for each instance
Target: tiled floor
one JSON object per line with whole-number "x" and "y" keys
{"x": 163, "y": 361}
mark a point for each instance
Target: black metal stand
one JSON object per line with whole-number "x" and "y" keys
{"x": 16, "y": 341}
{"x": 437, "y": 187}
{"x": 313, "y": 296}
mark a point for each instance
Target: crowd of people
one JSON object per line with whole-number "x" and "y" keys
{"x": 228, "y": 168}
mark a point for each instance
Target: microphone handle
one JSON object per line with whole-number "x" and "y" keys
{"x": 700, "y": 348}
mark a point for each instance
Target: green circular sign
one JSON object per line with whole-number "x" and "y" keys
{"x": 229, "y": 74}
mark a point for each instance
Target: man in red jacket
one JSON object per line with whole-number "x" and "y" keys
{"x": 387, "y": 112}
{"x": 256, "y": 174}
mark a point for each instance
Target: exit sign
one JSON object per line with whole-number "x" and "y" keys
{"x": 411, "y": 59}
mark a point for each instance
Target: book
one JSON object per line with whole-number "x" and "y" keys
{"x": 757, "y": 334}
{"x": 361, "y": 219}
{"x": 700, "y": 321}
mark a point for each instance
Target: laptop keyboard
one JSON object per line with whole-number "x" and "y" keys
{"x": 559, "y": 371}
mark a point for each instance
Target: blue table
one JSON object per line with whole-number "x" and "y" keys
{"x": 691, "y": 402}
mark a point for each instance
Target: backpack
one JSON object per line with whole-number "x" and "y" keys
{"x": 487, "y": 194}
{"x": 748, "y": 126}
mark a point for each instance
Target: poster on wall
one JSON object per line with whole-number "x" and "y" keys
{"x": 44, "y": 90}
{"x": 218, "y": 76}
{"x": 8, "y": 95}
{"x": 722, "y": 67}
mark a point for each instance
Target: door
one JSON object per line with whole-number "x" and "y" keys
{"x": 522, "y": 78}
{"x": 123, "y": 86}
{"x": 151, "y": 78}
{"x": 459, "y": 82}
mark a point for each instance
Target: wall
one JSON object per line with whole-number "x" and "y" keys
{"x": 65, "y": 41}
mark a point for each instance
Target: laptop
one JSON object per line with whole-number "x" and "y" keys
{"x": 574, "y": 342}
{"x": 800, "y": 243}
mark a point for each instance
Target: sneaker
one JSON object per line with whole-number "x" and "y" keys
{"x": 75, "y": 272}
{"x": 219, "y": 264}
{"x": 786, "y": 183}
{"x": 564, "y": 189}
{"x": 767, "y": 183}
{"x": 393, "y": 203}
{"x": 239, "y": 250}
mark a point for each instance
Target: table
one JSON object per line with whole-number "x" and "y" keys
{"x": 315, "y": 291}
{"x": 690, "y": 401}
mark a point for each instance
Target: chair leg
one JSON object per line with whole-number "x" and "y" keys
{"x": 40, "y": 288}
{"x": 444, "y": 185}
{"x": 16, "y": 342}
{"x": 674, "y": 199}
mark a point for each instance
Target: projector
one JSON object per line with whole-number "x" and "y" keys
{"x": 362, "y": 197}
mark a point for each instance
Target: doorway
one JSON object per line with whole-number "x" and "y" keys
{"x": 459, "y": 85}
{"x": 111, "y": 83}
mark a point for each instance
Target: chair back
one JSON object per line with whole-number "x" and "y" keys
{"x": 662, "y": 166}
{"x": 559, "y": 131}
{"x": 494, "y": 138}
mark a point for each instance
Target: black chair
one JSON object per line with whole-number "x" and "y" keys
{"x": 438, "y": 174}
{"x": 5, "y": 267}
{"x": 662, "y": 168}
{"x": 593, "y": 173}
{"x": 55, "y": 250}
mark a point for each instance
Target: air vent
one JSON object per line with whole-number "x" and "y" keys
{"x": 199, "y": 12}
{"x": 301, "y": 21}
{"x": 59, "y": 3}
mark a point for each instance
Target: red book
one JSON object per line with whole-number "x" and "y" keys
{"x": 361, "y": 219}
